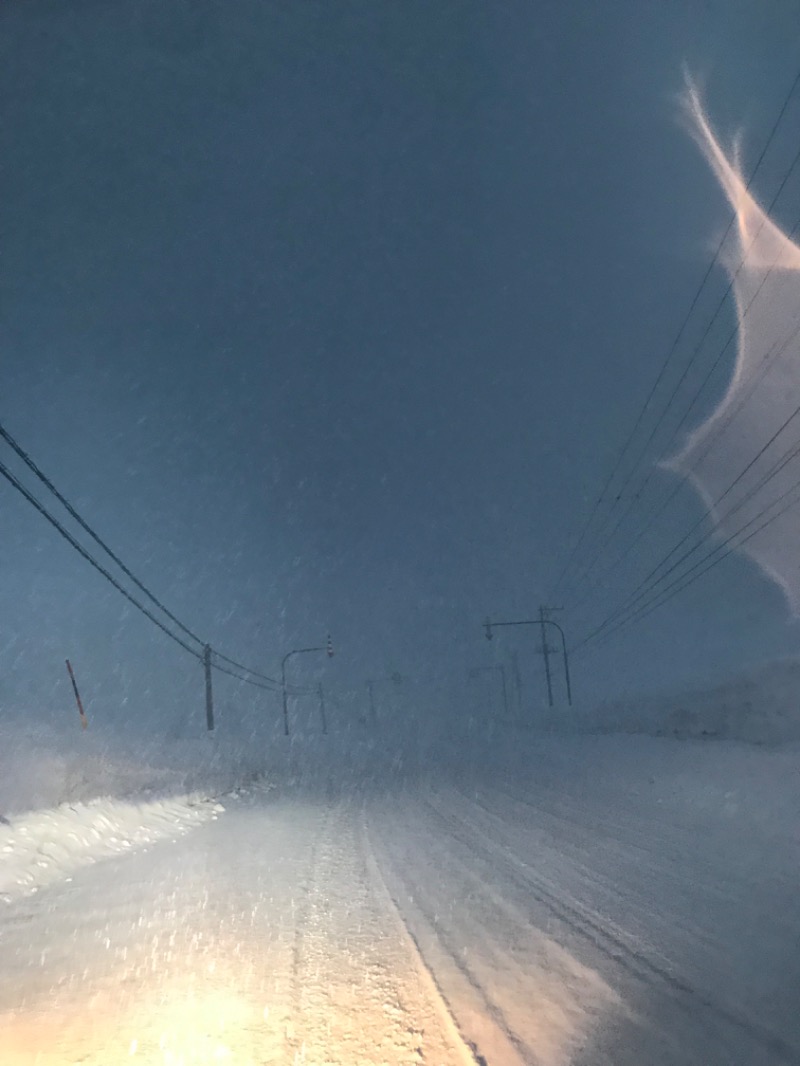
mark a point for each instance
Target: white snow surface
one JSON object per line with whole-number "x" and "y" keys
{"x": 44, "y": 764}
{"x": 42, "y": 847}
{"x": 585, "y": 900}
{"x": 70, "y": 798}
{"x": 759, "y": 706}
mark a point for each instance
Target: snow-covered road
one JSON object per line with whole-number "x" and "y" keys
{"x": 523, "y": 919}
{"x": 591, "y": 936}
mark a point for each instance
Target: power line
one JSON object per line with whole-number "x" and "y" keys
{"x": 636, "y": 496}
{"x": 703, "y": 385}
{"x": 628, "y": 611}
{"x": 246, "y": 669}
{"x": 33, "y": 466}
{"x": 749, "y": 387}
{"x": 670, "y": 355}
{"x": 292, "y": 690}
{"x": 90, "y": 559}
{"x": 650, "y": 582}
{"x": 88, "y": 529}
{"x": 680, "y": 583}
{"x": 776, "y": 468}
{"x": 240, "y": 677}
{"x": 640, "y": 417}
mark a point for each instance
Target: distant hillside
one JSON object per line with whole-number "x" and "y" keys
{"x": 761, "y": 707}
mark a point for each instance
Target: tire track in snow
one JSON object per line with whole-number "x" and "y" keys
{"x": 470, "y": 1054}
{"x": 518, "y": 998}
{"x": 614, "y": 944}
{"x": 358, "y": 993}
{"x": 618, "y": 863}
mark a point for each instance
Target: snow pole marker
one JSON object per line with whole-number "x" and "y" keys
{"x": 81, "y": 712}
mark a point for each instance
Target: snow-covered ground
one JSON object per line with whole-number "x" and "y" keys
{"x": 43, "y": 765}
{"x": 584, "y": 901}
{"x": 46, "y": 846}
{"x": 760, "y": 706}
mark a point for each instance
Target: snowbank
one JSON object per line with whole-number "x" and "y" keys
{"x": 41, "y": 847}
{"x": 759, "y": 707}
{"x": 43, "y": 766}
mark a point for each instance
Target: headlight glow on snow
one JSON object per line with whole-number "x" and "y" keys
{"x": 173, "y": 1027}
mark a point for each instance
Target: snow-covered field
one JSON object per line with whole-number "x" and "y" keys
{"x": 584, "y": 901}
{"x": 760, "y": 706}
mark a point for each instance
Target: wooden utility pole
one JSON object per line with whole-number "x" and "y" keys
{"x": 209, "y": 691}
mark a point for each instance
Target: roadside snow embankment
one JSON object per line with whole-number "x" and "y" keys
{"x": 44, "y": 764}
{"x": 760, "y": 706}
{"x": 41, "y": 847}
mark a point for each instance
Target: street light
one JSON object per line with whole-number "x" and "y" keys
{"x": 327, "y": 648}
{"x": 541, "y": 621}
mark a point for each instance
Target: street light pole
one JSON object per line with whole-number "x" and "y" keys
{"x": 546, "y": 656}
{"x": 550, "y": 621}
{"x": 541, "y": 621}
{"x": 328, "y": 647}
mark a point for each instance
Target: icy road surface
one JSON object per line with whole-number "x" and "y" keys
{"x": 551, "y": 916}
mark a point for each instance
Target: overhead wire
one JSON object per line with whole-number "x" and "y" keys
{"x": 650, "y": 582}
{"x": 749, "y": 387}
{"x": 255, "y": 677}
{"x": 680, "y": 583}
{"x": 634, "y": 499}
{"x": 246, "y": 669}
{"x": 632, "y": 608}
{"x": 40, "y": 507}
{"x": 291, "y": 690}
{"x": 241, "y": 677}
{"x": 25, "y": 457}
{"x": 667, "y": 360}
